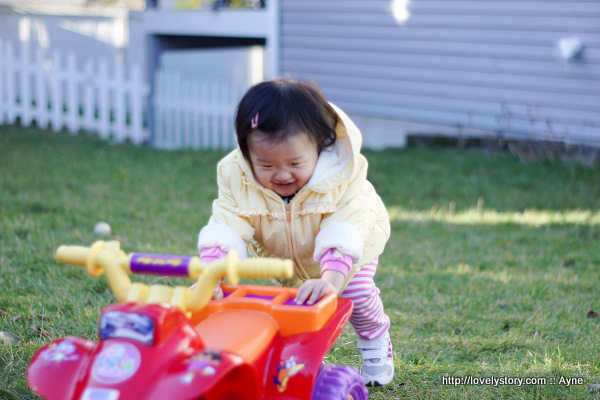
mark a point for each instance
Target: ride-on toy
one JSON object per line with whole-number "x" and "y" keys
{"x": 161, "y": 342}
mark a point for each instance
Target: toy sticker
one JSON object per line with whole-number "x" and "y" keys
{"x": 119, "y": 324}
{"x": 203, "y": 363}
{"x": 116, "y": 363}
{"x": 63, "y": 351}
{"x": 100, "y": 394}
{"x": 285, "y": 371}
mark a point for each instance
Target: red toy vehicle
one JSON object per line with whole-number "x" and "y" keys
{"x": 163, "y": 342}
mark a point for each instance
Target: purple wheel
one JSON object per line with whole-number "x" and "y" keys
{"x": 339, "y": 382}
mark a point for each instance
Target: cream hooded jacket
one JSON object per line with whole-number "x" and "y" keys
{"x": 338, "y": 208}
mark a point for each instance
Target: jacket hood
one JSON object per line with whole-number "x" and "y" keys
{"x": 335, "y": 164}
{"x": 346, "y": 126}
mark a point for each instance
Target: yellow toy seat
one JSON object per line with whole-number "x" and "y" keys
{"x": 243, "y": 332}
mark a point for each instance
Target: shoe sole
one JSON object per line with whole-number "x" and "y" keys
{"x": 375, "y": 383}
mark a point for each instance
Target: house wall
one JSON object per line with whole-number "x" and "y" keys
{"x": 118, "y": 35}
{"x": 450, "y": 67}
{"x": 236, "y": 65}
{"x": 88, "y": 34}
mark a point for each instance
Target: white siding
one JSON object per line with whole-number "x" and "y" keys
{"x": 488, "y": 65}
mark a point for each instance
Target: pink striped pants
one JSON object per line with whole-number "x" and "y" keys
{"x": 368, "y": 318}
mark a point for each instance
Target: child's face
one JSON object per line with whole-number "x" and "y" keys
{"x": 283, "y": 166}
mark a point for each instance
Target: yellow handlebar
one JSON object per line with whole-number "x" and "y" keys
{"x": 74, "y": 255}
{"x": 108, "y": 257}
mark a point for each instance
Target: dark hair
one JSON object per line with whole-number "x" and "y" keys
{"x": 285, "y": 106}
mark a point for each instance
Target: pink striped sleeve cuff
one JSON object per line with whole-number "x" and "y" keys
{"x": 210, "y": 254}
{"x": 336, "y": 261}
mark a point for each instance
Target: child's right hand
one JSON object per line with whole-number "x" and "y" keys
{"x": 217, "y": 293}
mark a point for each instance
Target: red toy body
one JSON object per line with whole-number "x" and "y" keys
{"x": 255, "y": 343}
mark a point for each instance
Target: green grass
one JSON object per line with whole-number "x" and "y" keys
{"x": 492, "y": 268}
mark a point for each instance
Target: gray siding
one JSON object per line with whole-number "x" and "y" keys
{"x": 485, "y": 64}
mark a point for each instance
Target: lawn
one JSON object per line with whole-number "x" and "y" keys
{"x": 492, "y": 269}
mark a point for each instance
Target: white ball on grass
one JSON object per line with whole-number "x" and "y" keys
{"x": 102, "y": 229}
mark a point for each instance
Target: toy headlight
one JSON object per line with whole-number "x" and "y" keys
{"x": 119, "y": 324}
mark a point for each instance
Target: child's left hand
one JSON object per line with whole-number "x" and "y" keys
{"x": 313, "y": 290}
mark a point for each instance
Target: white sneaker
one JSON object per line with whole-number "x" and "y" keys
{"x": 377, "y": 360}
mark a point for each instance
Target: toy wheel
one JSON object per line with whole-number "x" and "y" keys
{"x": 339, "y": 382}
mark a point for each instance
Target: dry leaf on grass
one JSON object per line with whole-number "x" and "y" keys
{"x": 42, "y": 330}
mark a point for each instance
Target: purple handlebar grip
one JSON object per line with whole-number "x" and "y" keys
{"x": 159, "y": 264}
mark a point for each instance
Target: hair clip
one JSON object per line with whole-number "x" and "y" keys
{"x": 254, "y": 122}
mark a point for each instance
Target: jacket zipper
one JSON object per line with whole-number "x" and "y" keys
{"x": 288, "y": 217}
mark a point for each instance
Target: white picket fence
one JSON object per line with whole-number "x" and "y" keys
{"x": 108, "y": 100}
{"x": 112, "y": 101}
{"x": 193, "y": 113}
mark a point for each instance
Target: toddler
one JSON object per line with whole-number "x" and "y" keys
{"x": 296, "y": 188}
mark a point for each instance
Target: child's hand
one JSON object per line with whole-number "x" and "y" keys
{"x": 217, "y": 293}
{"x": 313, "y": 290}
